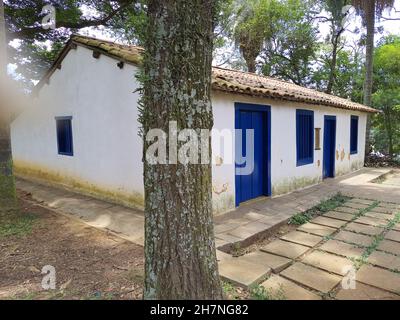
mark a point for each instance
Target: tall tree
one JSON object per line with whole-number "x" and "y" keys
{"x": 387, "y": 95}
{"x": 337, "y": 27}
{"x": 179, "y": 236}
{"x": 249, "y": 34}
{"x": 8, "y": 198}
{"x": 290, "y": 51}
{"x": 280, "y": 33}
{"x": 122, "y": 18}
{"x": 369, "y": 10}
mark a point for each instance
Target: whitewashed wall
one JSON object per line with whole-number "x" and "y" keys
{"x": 286, "y": 176}
{"x": 107, "y": 150}
{"x": 107, "y": 157}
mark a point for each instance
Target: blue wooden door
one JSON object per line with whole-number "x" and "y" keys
{"x": 251, "y": 184}
{"x": 329, "y": 146}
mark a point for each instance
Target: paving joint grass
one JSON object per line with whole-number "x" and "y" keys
{"x": 376, "y": 241}
{"x": 318, "y": 210}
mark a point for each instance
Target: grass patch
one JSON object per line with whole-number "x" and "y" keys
{"x": 321, "y": 208}
{"x": 258, "y": 292}
{"x": 230, "y": 291}
{"x": 16, "y": 224}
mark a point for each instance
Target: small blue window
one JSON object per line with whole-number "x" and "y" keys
{"x": 354, "y": 135}
{"x": 305, "y": 137}
{"x": 64, "y": 136}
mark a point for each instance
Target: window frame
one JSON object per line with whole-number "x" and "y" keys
{"x": 310, "y": 159}
{"x": 354, "y": 150}
{"x": 66, "y": 118}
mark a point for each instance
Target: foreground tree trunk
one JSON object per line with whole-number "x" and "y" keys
{"x": 179, "y": 236}
{"x": 369, "y": 66}
{"x": 8, "y": 198}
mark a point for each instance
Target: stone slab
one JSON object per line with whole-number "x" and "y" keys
{"x": 382, "y": 210}
{"x": 223, "y": 255}
{"x": 329, "y": 222}
{"x": 283, "y": 289}
{"x": 372, "y": 221}
{"x": 276, "y": 263}
{"x": 354, "y": 238}
{"x": 349, "y": 210}
{"x": 389, "y": 246}
{"x": 305, "y": 239}
{"x": 242, "y": 273}
{"x": 388, "y": 205}
{"x": 316, "y": 229}
{"x": 339, "y": 215}
{"x": 228, "y": 238}
{"x": 379, "y": 278}
{"x": 285, "y": 249}
{"x": 311, "y": 277}
{"x": 365, "y": 292}
{"x": 384, "y": 260}
{"x": 363, "y": 229}
{"x": 342, "y": 248}
{"x": 329, "y": 262}
{"x": 362, "y": 201}
{"x": 248, "y": 230}
{"x": 393, "y": 235}
{"x": 358, "y": 206}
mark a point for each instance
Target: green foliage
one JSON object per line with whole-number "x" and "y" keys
{"x": 386, "y": 126}
{"x": 289, "y": 52}
{"x": 258, "y": 292}
{"x": 280, "y": 33}
{"x": 323, "y": 207}
{"x": 229, "y": 290}
{"x": 37, "y": 46}
{"x": 15, "y": 224}
{"x": 348, "y": 79}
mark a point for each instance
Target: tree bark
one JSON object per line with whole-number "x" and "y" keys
{"x": 8, "y": 199}
{"x": 180, "y": 255}
{"x": 332, "y": 74}
{"x": 369, "y": 65}
{"x": 389, "y": 130}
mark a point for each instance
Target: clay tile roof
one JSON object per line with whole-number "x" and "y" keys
{"x": 127, "y": 53}
{"x": 256, "y": 85}
{"x": 227, "y": 80}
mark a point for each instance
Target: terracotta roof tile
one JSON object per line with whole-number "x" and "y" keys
{"x": 230, "y": 80}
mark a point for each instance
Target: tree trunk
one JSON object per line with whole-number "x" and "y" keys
{"x": 369, "y": 65}
{"x": 389, "y": 129}
{"x": 251, "y": 64}
{"x": 332, "y": 74}
{"x": 8, "y": 198}
{"x": 180, "y": 256}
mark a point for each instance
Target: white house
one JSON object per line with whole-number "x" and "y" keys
{"x": 81, "y": 131}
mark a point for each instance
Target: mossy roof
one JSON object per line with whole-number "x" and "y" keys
{"x": 225, "y": 80}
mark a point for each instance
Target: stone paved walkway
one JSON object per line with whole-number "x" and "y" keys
{"x": 304, "y": 264}
{"x": 256, "y": 219}
{"x": 313, "y": 262}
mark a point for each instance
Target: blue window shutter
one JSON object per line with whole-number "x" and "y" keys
{"x": 354, "y": 134}
{"x": 304, "y": 137}
{"x": 64, "y": 136}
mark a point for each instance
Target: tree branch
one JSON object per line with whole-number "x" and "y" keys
{"x": 84, "y": 23}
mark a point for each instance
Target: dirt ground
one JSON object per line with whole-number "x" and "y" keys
{"x": 89, "y": 263}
